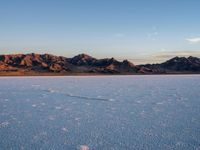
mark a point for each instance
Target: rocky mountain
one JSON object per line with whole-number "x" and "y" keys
{"x": 22, "y": 64}
{"x": 46, "y": 63}
{"x": 176, "y": 65}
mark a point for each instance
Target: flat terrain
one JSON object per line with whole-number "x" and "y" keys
{"x": 100, "y": 112}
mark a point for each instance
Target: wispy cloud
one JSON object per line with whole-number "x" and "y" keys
{"x": 161, "y": 56}
{"x": 153, "y": 34}
{"x": 170, "y": 54}
{"x": 194, "y": 40}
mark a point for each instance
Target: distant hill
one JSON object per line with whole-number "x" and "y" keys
{"x": 176, "y": 65}
{"x": 46, "y": 64}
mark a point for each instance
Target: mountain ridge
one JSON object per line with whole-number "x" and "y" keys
{"x": 22, "y": 64}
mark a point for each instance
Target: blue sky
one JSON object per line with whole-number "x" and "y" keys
{"x": 139, "y": 30}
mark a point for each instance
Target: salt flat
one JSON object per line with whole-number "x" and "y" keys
{"x": 100, "y": 113}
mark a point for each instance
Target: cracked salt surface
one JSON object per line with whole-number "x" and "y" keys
{"x": 113, "y": 112}
{"x": 4, "y": 124}
{"x": 84, "y": 147}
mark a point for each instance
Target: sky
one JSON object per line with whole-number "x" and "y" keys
{"x": 142, "y": 31}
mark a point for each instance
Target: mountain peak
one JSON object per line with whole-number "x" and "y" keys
{"x": 82, "y": 59}
{"x": 83, "y": 56}
{"x": 126, "y": 62}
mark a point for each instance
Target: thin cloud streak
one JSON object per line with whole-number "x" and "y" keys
{"x": 162, "y": 57}
{"x": 193, "y": 40}
{"x": 166, "y": 55}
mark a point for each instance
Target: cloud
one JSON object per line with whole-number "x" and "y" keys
{"x": 153, "y": 35}
{"x": 170, "y": 54}
{"x": 161, "y": 56}
{"x": 194, "y": 40}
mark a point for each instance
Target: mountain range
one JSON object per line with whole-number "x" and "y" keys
{"x": 47, "y": 64}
